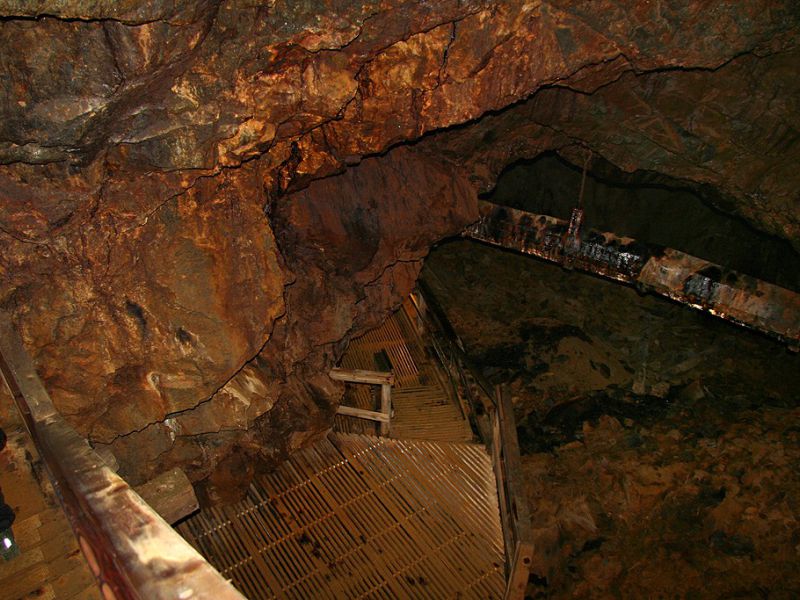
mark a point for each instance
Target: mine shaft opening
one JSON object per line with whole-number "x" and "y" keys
{"x": 645, "y": 426}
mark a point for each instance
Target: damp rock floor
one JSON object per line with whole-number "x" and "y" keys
{"x": 661, "y": 446}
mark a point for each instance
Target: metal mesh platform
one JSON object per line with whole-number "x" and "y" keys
{"x": 363, "y": 517}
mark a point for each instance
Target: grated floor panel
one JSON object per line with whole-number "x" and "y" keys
{"x": 357, "y": 516}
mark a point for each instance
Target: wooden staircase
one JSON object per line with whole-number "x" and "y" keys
{"x": 359, "y": 516}
{"x": 412, "y": 515}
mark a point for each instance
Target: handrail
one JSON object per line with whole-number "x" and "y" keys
{"x": 514, "y": 512}
{"x": 385, "y": 380}
{"x": 458, "y": 366}
{"x": 132, "y": 552}
{"x": 495, "y": 424}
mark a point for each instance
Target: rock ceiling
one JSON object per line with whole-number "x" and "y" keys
{"x": 202, "y": 202}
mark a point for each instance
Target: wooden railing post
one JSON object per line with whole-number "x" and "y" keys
{"x": 386, "y": 406}
{"x": 514, "y": 510}
{"x": 385, "y": 380}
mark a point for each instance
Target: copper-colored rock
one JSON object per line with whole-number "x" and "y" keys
{"x": 179, "y": 266}
{"x": 351, "y": 248}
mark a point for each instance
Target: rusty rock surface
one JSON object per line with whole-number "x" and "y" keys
{"x": 657, "y": 444}
{"x": 187, "y": 242}
{"x": 733, "y": 128}
{"x": 351, "y": 249}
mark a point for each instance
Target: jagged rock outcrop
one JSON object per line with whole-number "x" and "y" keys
{"x": 733, "y": 129}
{"x": 188, "y": 240}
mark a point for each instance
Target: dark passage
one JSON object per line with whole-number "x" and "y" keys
{"x": 660, "y": 444}
{"x": 651, "y": 208}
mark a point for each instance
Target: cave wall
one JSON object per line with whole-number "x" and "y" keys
{"x": 347, "y": 251}
{"x": 733, "y": 128}
{"x": 190, "y": 232}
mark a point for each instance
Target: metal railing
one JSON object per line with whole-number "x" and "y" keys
{"x": 132, "y": 552}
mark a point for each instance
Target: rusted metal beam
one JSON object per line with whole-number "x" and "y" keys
{"x": 706, "y": 286}
{"x": 130, "y": 549}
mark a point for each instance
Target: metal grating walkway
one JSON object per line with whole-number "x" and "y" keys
{"x": 357, "y": 516}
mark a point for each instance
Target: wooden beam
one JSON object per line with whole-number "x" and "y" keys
{"x": 361, "y": 413}
{"x": 131, "y": 550}
{"x": 698, "y": 283}
{"x": 506, "y": 520}
{"x": 520, "y": 571}
{"x": 514, "y": 511}
{"x": 108, "y": 457}
{"x": 512, "y": 463}
{"x": 362, "y": 376}
{"x": 171, "y": 495}
{"x": 386, "y": 407}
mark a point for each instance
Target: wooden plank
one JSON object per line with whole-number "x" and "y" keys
{"x": 386, "y": 407}
{"x": 519, "y": 572}
{"x": 26, "y": 560}
{"x": 74, "y": 578}
{"x": 512, "y": 463}
{"x": 170, "y": 494}
{"x": 422, "y": 536}
{"x": 372, "y": 415}
{"x": 499, "y": 471}
{"x": 362, "y": 376}
{"x": 253, "y": 552}
{"x": 375, "y": 559}
{"x": 27, "y": 582}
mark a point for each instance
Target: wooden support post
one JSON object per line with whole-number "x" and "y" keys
{"x": 385, "y": 380}
{"x": 170, "y": 494}
{"x": 519, "y": 571}
{"x": 386, "y": 407}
